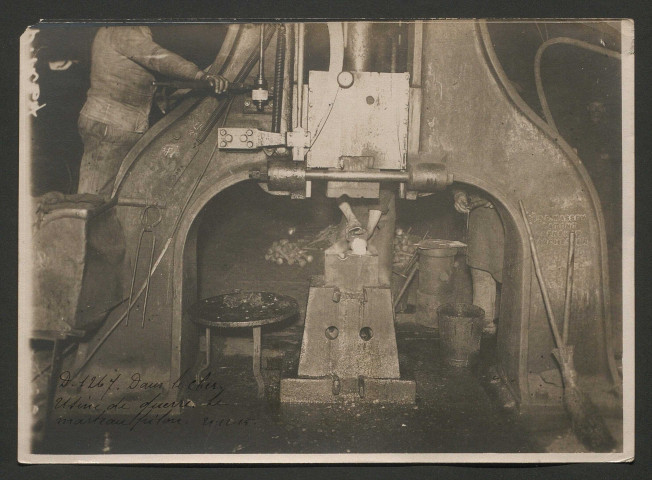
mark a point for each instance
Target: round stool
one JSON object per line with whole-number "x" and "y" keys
{"x": 243, "y": 310}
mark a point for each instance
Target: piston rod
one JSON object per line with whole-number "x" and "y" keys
{"x": 369, "y": 176}
{"x": 291, "y": 176}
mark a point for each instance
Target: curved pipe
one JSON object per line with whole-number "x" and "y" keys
{"x": 225, "y": 54}
{"x": 335, "y": 65}
{"x": 253, "y": 57}
{"x": 503, "y": 81}
{"x": 336, "y": 45}
{"x": 537, "y": 68}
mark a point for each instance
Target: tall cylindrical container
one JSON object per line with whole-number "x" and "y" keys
{"x": 436, "y": 287}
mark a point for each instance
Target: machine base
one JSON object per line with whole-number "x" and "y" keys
{"x": 362, "y": 390}
{"x": 348, "y": 351}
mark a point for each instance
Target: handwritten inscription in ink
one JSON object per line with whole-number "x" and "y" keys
{"x": 109, "y": 400}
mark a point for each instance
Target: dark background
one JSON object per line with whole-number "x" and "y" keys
{"x": 18, "y": 15}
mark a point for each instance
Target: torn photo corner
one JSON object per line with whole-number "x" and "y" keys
{"x": 327, "y": 242}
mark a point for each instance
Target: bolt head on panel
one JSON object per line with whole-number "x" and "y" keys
{"x": 345, "y": 79}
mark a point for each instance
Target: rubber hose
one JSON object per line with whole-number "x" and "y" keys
{"x": 607, "y": 322}
{"x": 537, "y": 68}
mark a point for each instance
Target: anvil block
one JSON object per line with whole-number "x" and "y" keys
{"x": 352, "y": 272}
{"x": 349, "y": 335}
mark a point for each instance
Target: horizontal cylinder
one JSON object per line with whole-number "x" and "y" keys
{"x": 283, "y": 175}
{"x": 292, "y": 176}
{"x": 429, "y": 177}
{"x": 368, "y": 176}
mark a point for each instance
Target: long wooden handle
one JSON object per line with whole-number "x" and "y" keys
{"x": 542, "y": 284}
{"x": 570, "y": 269}
{"x": 405, "y": 286}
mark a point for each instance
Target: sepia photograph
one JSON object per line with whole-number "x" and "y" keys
{"x": 326, "y": 242}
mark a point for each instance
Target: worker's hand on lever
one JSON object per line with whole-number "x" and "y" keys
{"x": 218, "y": 82}
{"x": 479, "y": 202}
{"x": 461, "y": 202}
{"x": 464, "y": 204}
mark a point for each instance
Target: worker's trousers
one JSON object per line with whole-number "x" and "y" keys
{"x": 484, "y": 296}
{"x": 105, "y": 146}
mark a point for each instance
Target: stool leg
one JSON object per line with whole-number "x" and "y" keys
{"x": 207, "y": 361}
{"x": 257, "y": 361}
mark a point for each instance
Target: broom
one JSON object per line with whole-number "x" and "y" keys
{"x": 587, "y": 424}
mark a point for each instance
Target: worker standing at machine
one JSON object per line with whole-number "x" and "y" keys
{"x": 116, "y": 112}
{"x": 485, "y": 252}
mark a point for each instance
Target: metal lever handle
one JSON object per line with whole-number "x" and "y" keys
{"x": 203, "y": 85}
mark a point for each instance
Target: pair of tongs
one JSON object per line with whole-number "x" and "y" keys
{"x": 148, "y": 227}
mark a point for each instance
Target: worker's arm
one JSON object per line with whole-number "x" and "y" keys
{"x": 464, "y": 203}
{"x": 135, "y": 43}
{"x": 461, "y": 201}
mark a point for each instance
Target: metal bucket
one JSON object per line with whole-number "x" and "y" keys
{"x": 436, "y": 265}
{"x": 460, "y": 330}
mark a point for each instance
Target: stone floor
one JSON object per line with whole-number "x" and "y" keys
{"x": 458, "y": 410}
